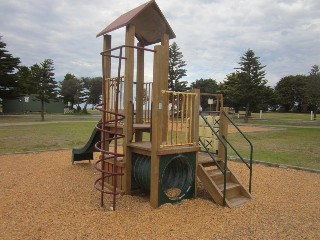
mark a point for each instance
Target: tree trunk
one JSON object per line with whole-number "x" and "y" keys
{"x": 246, "y": 117}
{"x": 84, "y": 110}
{"x": 42, "y": 110}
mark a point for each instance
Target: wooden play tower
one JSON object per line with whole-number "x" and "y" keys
{"x": 150, "y": 135}
{"x": 163, "y": 160}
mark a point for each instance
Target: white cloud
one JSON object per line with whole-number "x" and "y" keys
{"x": 211, "y": 34}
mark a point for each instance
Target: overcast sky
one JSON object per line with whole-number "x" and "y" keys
{"x": 212, "y": 34}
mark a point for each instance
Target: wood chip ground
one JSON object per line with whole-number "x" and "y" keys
{"x": 43, "y": 196}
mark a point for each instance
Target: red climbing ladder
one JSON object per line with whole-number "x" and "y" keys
{"x": 108, "y": 163}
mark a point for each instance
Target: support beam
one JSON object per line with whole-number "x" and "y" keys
{"x": 106, "y": 69}
{"x": 195, "y": 130}
{"x": 127, "y": 103}
{"x": 139, "y": 90}
{"x": 157, "y": 123}
{"x": 164, "y": 82}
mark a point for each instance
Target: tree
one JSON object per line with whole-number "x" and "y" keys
{"x": 245, "y": 87}
{"x": 176, "y": 70}
{"x": 93, "y": 90}
{"x": 312, "y": 90}
{"x": 8, "y": 68}
{"x": 71, "y": 90}
{"x": 45, "y": 85}
{"x": 25, "y": 80}
{"x": 205, "y": 86}
{"x": 290, "y": 91}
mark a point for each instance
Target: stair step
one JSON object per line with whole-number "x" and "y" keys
{"x": 229, "y": 185}
{"x": 237, "y": 201}
{"x": 210, "y": 163}
{"x": 215, "y": 172}
{"x": 217, "y": 176}
{"x": 232, "y": 189}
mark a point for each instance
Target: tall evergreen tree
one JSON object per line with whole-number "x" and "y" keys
{"x": 247, "y": 87}
{"x": 27, "y": 85}
{"x": 176, "y": 70}
{"x": 46, "y": 86}
{"x": 8, "y": 68}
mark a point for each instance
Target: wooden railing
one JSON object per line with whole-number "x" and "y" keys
{"x": 111, "y": 88}
{"x": 179, "y": 122}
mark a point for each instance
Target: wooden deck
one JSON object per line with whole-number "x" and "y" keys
{"x": 144, "y": 148}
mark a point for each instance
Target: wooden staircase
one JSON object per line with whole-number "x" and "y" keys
{"x": 213, "y": 181}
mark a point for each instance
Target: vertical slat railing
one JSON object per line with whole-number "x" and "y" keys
{"x": 179, "y": 115}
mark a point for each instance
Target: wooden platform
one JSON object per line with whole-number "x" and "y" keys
{"x": 144, "y": 127}
{"x": 144, "y": 148}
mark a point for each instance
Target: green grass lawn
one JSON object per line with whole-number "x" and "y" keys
{"x": 44, "y": 137}
{"x": 293, "y": 146}
{"x": 276, "y": 118}
{"x": 297, "y": 145}
{"x": 48, "y": 118}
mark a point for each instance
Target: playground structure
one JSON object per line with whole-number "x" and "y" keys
{"x": 158, "y": 129}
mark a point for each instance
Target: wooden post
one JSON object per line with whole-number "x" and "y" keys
{"x": 223, "y": 131}
{"x": 195, "y": 127}
{"x": 157, "y": 123}
{"x": 106, "y": 68}
{"x": 164, "y": 81}
{"x": 195, "y": 130}
{"x": 128, "y": 99}
{"x": 139, "y": 91}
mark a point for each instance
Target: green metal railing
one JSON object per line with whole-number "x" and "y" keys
{"x": 233, "y": 148}
{"x": 223, "y": 170}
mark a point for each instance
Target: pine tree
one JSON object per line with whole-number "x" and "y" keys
{"x": 176, "y": 70}
{"x": 46, "y": 86}
{"x": 8, "y": 68}
{"x": 247, "y": 87}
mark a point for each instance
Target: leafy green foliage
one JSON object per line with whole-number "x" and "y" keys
{"x": 93, "y": 90}
{"x": 176, "y": 70}
{"x": 71, "y": 89}
{"x": 300, "y": 92}
{"x": 312, "y": 90}
{"x": 206, "y": 86}
{"x": 8, "y": 68}
{"x": 290, "y": 91}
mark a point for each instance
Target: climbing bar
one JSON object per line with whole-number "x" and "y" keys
{"x": 147, "y": 102}
{"x": 108, "y": 164}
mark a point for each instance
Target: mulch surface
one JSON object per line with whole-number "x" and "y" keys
{"x": 43, "y": 196}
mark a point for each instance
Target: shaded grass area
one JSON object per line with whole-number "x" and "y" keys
{"x": 44, "y": 137}
{"x": 293, "y": 146}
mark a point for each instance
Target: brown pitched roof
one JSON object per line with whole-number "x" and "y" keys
{"x": 149, "y": 22}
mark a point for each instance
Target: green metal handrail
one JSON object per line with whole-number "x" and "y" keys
{"x": 224, "y": 171}
{"x": 251, "y": 148}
